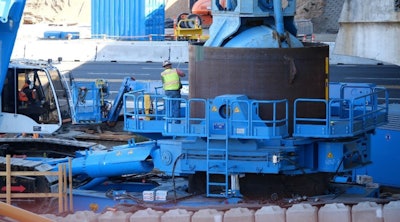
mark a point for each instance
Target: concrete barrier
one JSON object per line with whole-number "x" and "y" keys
{"x": 344, "y": 59}
{"x": 127, "y": 51}
{"x": 245, "y": 214}
{"x": 102, "y": 50}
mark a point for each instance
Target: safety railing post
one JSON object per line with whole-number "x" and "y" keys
{"x": 60, "y": 194}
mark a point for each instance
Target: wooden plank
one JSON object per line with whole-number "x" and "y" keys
{"x": 29, "y": 195}
{"x": 106, "y": 136}
{"x": 29, "y": 173}
{"x": 8, "y": 179}
{"x": 62, "y": 186}
{"x": 64, "y": 191}
{"x": 71, "y": 202}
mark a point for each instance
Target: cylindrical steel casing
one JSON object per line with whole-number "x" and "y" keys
{"x": 260, "y": 73}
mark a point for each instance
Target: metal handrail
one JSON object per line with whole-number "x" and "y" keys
{"x": 364, "y": 110}
{"x": 253, "y": 119}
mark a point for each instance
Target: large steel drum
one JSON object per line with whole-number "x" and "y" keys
{"x": 260, "y": 73}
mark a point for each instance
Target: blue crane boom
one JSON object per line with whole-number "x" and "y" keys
{"x": 10, "y": 18}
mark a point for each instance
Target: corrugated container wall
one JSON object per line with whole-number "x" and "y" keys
{"x": 155, "y": 18}
{"x": 128, "y": 19}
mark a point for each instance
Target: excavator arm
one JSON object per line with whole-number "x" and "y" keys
{"x": 10, "y": 17}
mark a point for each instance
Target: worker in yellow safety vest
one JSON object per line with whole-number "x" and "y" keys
{"x": 171, "y": 79}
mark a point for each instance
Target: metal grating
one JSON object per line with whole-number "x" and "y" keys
{"x": 393, "y": 118}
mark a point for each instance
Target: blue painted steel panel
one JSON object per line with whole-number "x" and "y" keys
{"x": 127, "y": 19}
{"x": 118, "y": 19}
{"x": 385, "y": 151}
{"x": 155, "y": 23}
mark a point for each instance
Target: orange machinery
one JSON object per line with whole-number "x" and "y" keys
{"x": 201, "y": 14}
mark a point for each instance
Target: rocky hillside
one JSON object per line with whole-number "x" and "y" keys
{"x": 79, "y": 11}
{"x": 57, "y": 11}
{"x": 306, "y": 9}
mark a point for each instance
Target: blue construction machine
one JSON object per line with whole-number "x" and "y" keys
{"x": 90, "y": 104}
{"x": 240, "y": 141}
{"x": 58, "y": 98}
{"x": 261, "y": 117}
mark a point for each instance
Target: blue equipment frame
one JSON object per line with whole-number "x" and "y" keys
{"x": 231, "y": 138}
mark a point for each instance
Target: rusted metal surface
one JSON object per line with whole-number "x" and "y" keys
{"x": 264, "y": 73}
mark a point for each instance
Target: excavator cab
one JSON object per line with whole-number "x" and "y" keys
{"x": 34, "y": 98}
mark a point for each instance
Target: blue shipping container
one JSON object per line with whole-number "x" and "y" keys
{"x": 155, "y": 24}
{"x": 52, "y": 35}
{"x": 60, "y": 35}
{"x": 127, "y": 19}
{"x": 155, "y": 19}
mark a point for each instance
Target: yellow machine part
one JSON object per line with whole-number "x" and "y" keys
{"x": 147, "y": 106}
{"x": 195, "y": 33}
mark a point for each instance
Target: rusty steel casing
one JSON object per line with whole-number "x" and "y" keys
{"x": 261, "y": 73}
